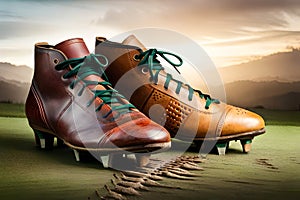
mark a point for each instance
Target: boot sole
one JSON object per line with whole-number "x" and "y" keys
{"x": 147, "y": 148}
{"x": 108, "y": 156}
{"x": 221, "y": 144}
{"x": 45, "y": 140}
{"x": 247, "y": 135}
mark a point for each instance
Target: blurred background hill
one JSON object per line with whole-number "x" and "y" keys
{"x": 271, "y": 82}
{"x": 14, "y": 82}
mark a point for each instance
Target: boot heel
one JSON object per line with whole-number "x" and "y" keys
{"x": 43, "y": 140}
{"x": 246, "y": 144}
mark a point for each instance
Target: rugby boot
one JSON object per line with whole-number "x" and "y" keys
{"x": 69, "y": 100}
{"x": 186, "y": 113}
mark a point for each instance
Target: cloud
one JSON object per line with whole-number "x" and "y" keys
{"x": 195, "y": 18}
{"x": 260, "y": 36}
{"x": 5, "y": 14}
{"x": 218, "y": 24}
{"x": 213, "y": 18}
{"x": 36, "y": 19}
{"x": 14, "y": 29}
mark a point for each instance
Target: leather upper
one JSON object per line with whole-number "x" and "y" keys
{"x": 181, "y": 116}
{"x": 53, "y": 107}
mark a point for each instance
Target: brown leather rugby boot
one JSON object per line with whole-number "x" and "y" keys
{"x": 69, "y": 100}
{"x": 187, "y": 114}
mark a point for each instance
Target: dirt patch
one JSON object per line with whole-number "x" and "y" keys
{"x": 266, "y": 162}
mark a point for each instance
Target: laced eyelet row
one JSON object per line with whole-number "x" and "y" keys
{"x": 136, "y": 58}
{"x": 150, "y": 64}
{"x": 55, "y": 61}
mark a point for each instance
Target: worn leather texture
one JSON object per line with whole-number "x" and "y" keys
{"x": 180, "y": 116}
{"x": 53, "y": 107}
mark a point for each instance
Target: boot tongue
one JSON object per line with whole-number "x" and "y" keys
{"x": 73, "y": 48}
{"x": 132, "y": 40}
{"x": 76, "y": 48}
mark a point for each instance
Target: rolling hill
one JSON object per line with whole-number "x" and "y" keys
{"x": 271, "y": 82}
{"x": 287, "y": 101}
{"x": 281, "y": 66}
{"x": 20, "y": 73}
{"x": 267, "y": 94}
{"x": 14, "y": 82}
{"x": 13, "y": 91}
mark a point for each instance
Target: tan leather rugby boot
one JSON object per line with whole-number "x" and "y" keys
{"x": 69, "y": 100}
{"x": 189, "y": 114}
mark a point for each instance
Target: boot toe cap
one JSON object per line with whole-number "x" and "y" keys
{"x": 141, "y": 132}
{"x": 239, "y": 120}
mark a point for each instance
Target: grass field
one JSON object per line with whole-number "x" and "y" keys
{"x": 270, "y": 171}
{"x": 12, "y": 110}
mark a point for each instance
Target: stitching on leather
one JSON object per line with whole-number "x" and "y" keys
{"x": 176, "y": 114}
{"x": 129, "y": 55}
{"x": 40, "y": 105}
{"x": 66, "y": 108}
{"x": 221, "y": 122}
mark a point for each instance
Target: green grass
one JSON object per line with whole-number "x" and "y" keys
{"x": 270, "y": 171}
{"x": 12, "y": 110}
{"x": 29, "y": 173}
{"x": 279, "y": 117}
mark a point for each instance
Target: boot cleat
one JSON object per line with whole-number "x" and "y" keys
{"x": 106, "y": 161}
{"x": 222, "y": 147}
{"x": 186, "y": 113}
{"x": 47, "y": 141}
{"x": 113, "y": 160}
{"x": 68, "y": 100}
{"x": 246, "y": 145}
{"x": 44, "y": 140}
{"x": 77, "y": 155}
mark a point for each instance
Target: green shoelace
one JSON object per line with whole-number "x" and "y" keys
{"x": 90, "y": 65}
{"x": 149, "y": 58}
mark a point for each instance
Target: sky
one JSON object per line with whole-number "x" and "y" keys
{"x": 230, "y": 31}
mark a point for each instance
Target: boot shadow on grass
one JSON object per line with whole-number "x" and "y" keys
{"x": 13, "y": 144}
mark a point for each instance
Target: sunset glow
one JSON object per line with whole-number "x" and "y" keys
{"x": 231, "y": 32}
